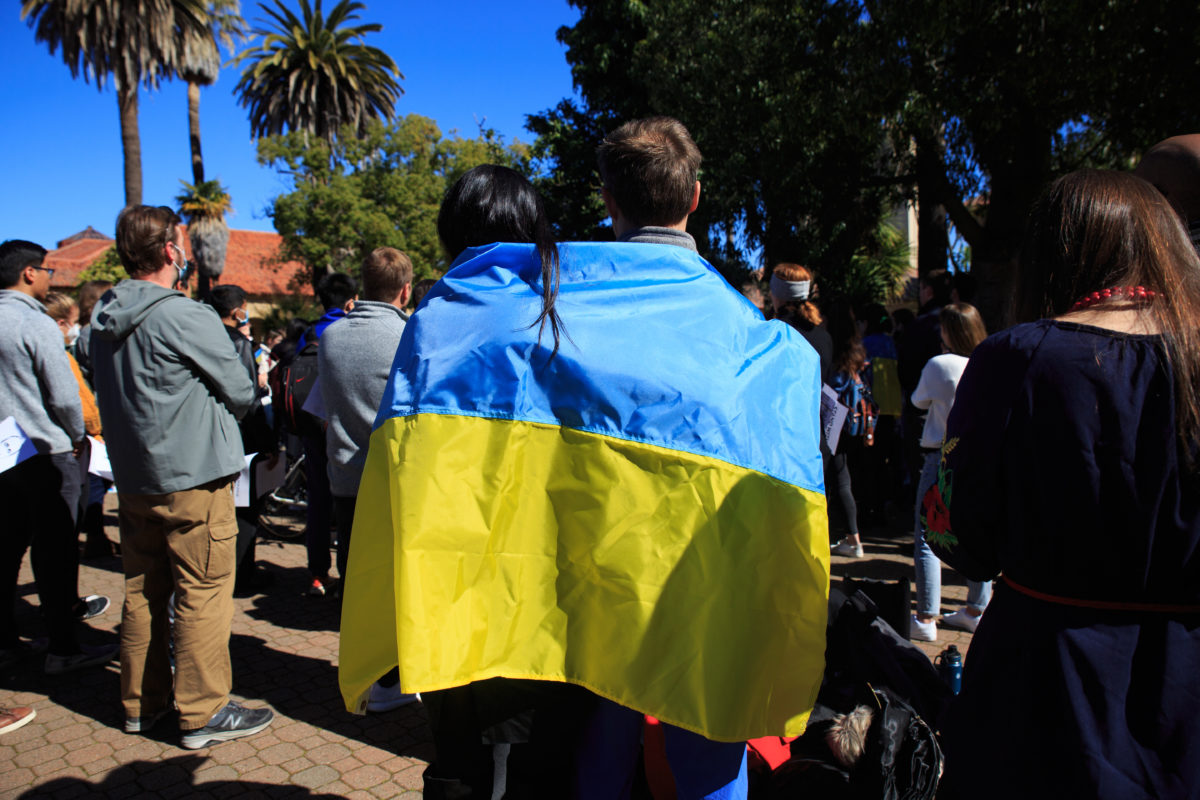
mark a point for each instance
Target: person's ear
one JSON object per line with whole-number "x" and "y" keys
{"x": 695, "y": 197}
{"x": 405, "y": 295}
{"x": 610, "y": 205}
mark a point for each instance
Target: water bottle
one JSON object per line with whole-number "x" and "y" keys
{"x": 949, "y": 667}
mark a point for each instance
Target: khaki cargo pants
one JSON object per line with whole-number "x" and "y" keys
{"x": 183, "y": 542}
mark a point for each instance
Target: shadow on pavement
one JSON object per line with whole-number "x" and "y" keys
{"x": 306, "y": 689}
{"x": 174, "y": 777}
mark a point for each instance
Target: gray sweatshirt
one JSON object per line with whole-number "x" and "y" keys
{"x": 355, "y": 362}
{"x": 39, "y": 389}
{"x": 170, "y": 388}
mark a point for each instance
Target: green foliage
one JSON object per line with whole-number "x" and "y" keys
{"x": 312, "y": 73}
{"x": 204, "y": 200}
{"x": 381, "y": 189}
{"x": 814, "y": 117}
{"x": 770, "y": 92}
{"x": 107, "y": 268}
{"x": 289, "y": 307}
{"x": 118, "y": 40}
{"x": 876, "y": 273}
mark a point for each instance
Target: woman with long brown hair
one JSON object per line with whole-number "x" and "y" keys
{"x": 1070, "y": 469}
{"x": 962, "y": 331}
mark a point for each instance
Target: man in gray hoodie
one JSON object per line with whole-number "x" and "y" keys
{"x": 171, "y": 389}
{"x": 40, "y": 496}
{"x": 355, "y": 362}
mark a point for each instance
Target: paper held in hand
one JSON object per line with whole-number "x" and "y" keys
{"x": 99, "y": 464}
{"x": 266, "y": 478}
{"x": 833, "y": 417}
{"x": 15, "y": 446}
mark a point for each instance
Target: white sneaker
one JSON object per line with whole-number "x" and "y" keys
{"x": 922, "y": 631}
{"x": 962, "y": 619}
{"x": 845, "y": 548}
{"x": 385, "y": 698}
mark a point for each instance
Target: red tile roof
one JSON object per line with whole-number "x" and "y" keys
{"x": 249, "y": 262}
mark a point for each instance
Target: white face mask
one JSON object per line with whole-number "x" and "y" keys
{"x": 72, "y": 334}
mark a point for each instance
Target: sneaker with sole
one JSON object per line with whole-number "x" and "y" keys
{"x": 385, "y": 698}
{"x": 91, "y": 606}
{"x": 231, "y": 722}
{"x": 961, "y": 619}
{"x": 847, "y": 549}
{"x": 144, "y": 724}
{"x": 13, "y": 718}
{"x": 317, "y": 587}
{"x": 922, "y": 631}
{"x": 86, "y": 657}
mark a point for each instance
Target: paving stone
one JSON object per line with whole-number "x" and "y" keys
{"x": 35, "y": 757}
{"x": 366, "y": 776}
{"x": 101, "y": 765}
{"x": 92, "y": 752}
{"x": 328, "y": 753}
{"x": 278, "y": 753}
{"x": 214, "y": 773}
{"x": 14, "y": 778}
{"x": 386, "y": 790}
{"x": 268, "y": 773}
{"x": 411, "y": 778}
{"x": 317, "y": 776}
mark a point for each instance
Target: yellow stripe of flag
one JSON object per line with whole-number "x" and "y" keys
{"x": 528, "y": 550}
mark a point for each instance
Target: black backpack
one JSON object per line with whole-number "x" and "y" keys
{"x": 295, "y": 383}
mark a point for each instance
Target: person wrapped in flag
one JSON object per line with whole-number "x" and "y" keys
{"x": 605, "y": 475}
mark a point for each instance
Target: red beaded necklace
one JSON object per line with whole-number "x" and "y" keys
{"x": 1136, "y": 294}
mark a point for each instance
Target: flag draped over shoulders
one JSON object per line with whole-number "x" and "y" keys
{"x": 642, "y": 514}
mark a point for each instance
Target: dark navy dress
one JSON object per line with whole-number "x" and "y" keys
{"x": 1062, "y": 471}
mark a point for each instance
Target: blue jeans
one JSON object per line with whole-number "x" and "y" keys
{"x": 702, "y": 769}
{"x": 928, "y": 567}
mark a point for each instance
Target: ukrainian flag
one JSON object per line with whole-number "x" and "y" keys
{"x": 642, "y": 515}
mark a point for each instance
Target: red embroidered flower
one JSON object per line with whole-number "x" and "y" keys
{"x": 936, "y": 519}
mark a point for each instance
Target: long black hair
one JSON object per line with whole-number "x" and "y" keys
{"x": 491, "y": 203}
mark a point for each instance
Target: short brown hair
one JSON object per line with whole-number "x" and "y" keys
{"x": 962, "y": 328}
{"x": 650, "y": 168}
{"x": 384, "y": 273}
{"x": 142, "y": 233}
{"x": 58, "y": 305}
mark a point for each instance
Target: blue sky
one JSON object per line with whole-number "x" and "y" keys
{"x": 60, "y": 145}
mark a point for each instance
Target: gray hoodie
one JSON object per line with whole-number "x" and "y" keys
{"x": 170, "y": 388}
{"x": 38, "y": 389}
{"x": 354, "y": 362}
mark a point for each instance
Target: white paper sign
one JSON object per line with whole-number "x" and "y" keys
{"x": 266, "y": 478}
{"x": 99, "y": 465}
{"x": 241, "y": 486}
{"x": 315, "y": 402}
{"x": 15, "y": 446}
{"x": 833, "y": 417}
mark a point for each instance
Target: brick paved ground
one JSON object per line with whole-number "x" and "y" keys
{"x": 285, "y": 654}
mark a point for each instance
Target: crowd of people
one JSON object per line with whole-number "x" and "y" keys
{"x": 590, "y": 489}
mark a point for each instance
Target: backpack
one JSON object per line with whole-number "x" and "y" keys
{"x": 855, "y": 395}
{"x": 867, "y": 664}
{"x": 295, "y": 380}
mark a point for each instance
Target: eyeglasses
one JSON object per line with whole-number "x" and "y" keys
{"x": 48, "y": 270}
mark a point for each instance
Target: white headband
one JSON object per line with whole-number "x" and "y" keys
{"x": 789, "y": 290}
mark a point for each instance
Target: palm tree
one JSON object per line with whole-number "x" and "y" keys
{"x": 127, "y": 41}
{"x": 200, "y": 64}
{"x": 204, "y": 206}
{"x": 312, "y": 73}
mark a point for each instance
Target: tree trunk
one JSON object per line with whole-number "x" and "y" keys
{"x": 131, "y": 144}
{"x": 193, "y": 94}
